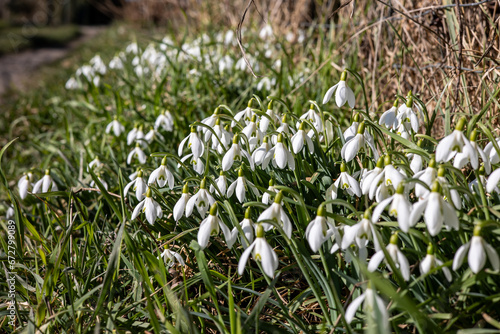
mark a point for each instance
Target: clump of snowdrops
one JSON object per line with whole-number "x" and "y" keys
{"x": 387, "y": 227}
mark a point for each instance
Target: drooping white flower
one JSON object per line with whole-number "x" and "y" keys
{"x": 170, "y": 257}
{"x": 358, "y": 142}
{"x": 221, "y": 183}
{"x": 359, "y": 234}
{"x": 245, "y": 115}
{"x": 263, "y": 154}
{"x": 116, "y": 63}
{"x": 165, "y": 120}
{"x": 138, "y": 153}
{"x": 431, "y": 261}
{"x": 95, "y": 164}
{"x": 197, "y": 164}
{"x": 389, "y": 117}
{"x": 300, "y": 139}
{"x": 312, "y": 116}
{"x": 273, "y": 118}
{"x": 369, "y": 176}
{"x": 180, "y": 206}
{"x": 277, "y": 214}
{"x": 416, "y": 163}
{"x": 385, "y": 183}
{"x": 152, "y": 135}
{"x": 491, "y": 152}
{"x": 162, "y": 175}
{"x": 202, "y": 200}
{"x": 426, "y": 176}
{"x": 148, "y": 206}
{"x": 194, "y": 143}
{"x": 235, "y": 153}
{"x": 400, "y": 208}
{"x": 284, "y": 128}
{"x": 492, "y": 183}
{"x": 252, "y": 133}
{"x": 266, "y": 32}
{"x": 281, "y": 155}
{"x": 72, "y": 84}
{"x": 98, "y": 64}
{"x": 44, "y": 184}
{"x": 478, "y": 250}
{"x": 320, "y": 230}
{"x": 454, "y": 143}
{"x": 132, "y": 135}
{"x": 373, "y": 307}
{"x": 209, "y": 122}
{"x": 211, "y": 226}
{"x": 345, "y": 182}
{"x": 25, "y": 184}
{"x": 436, "y": 211}
{"x": 116, "y": 126}
{"x": 406, "y": 117}
{"x": 397, "y": 256}
{"x": 139, "y": 186}
{"x": 241, "y": 186}
{"x": 266, "y": 197}
{"x": 223, "y": 138}
{"x": 103, "y": 182}
{"x": 247, "y": 226}
{"x": 342, "y": 92}
{"x": 261, "y": 252}
{"x": 462, "y": 158}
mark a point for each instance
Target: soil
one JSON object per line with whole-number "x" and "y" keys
{"x": 16, "y": 69}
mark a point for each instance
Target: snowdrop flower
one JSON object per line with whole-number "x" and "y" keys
{"x": 235, "y": 153}
{"x": 24, "y": 184}
{"x": 221, "y": 183}
{"x": 276, "y": 213}
{"x": 284, "y": 128}
{"x": 397, "y": 256}
{"x": 436, "y": 211}
{"x": 98, "y": 64}
{"x": 116, "y": 63}
{"x": 162, "y": 175}
{"x": 266, "y": 84}
{"x": 103, "y": 182}
{"x": 430, "y": 262}
{"x": 320, "y": 230}
{"x": 427, "y": 176}
{"x": 281, "y": 155}
{"x": 95, "y": 164}
{"x": 342, "y": 92}
{"x": 152, "y": 135}
{"x": 138, "y": 153}
{"x": 116, "y": 126}
{"x": 252, "y": 133}
{"x": 373, "y": 306}
{"x": 313, "y": 117}
{"x": 148, "y": 206}
{"x": 261, "y": 252}
{"x": 211, "y": 226}
{"x": 131, "y": 136}
{"x": 181, "y": 203}
{"x": 352, "y": 130}
{"x": 416, "y": 163}
{"x": 165, "y": 120}
{"x": 386, "y": 183}
{"x": 491, "y": 184}
{"x": 241, "y": 186}
{"x": 223, "y": 139}
{"x": 138, "y": 185}
{"x": 44, "y": 184}
{"x": 247, "y": 226}
{"x": 197, "y": 164}
{"x": 369, "y": 176}
{"x": 265, "y": 121}
{"x": 462, "y": 158}
{"x": 359, "y": 234}
{"x": 491, "y": 152}
{"x": 389, "y": 118}
{"x": 360, "y": 141}
{"x": 406, "y": 115}
{"x": 478, "y": 251}
{"x": 194, "y": 143}
{"x": 454, "y": 143}
{"x": 475, "y": 184}
{"x": 300, "y": 138}
{"x": 170, "y": 257}
{"x": 345, "y": 182}
{"x": 210, "y": 122}
{"x": 202, "y": 200}
{"x": 263, "y": 154}
{"x": 266, "y": 198}
{"x": 446, "y": 186}
{"x": 245, "y": 115}
{"x": 266, "y": 32}
{"x": 10, "y": 213}
{"x": 72, "y": 84}
{"x": 400, "y": 208}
